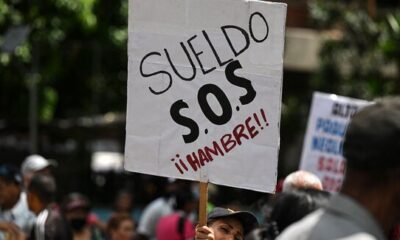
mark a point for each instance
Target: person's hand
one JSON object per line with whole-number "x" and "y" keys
{"x": 204, "y": 232}
{"x": 12, "y": 231}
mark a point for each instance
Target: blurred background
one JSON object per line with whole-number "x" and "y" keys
{"x": 63, "y": 81}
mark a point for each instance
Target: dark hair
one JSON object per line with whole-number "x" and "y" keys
{"x": 44, "y": 187}
{"x": 116, "y": 219}
{"x": 75, "y": 200}
{"x": 292, "y": 206}
{"x": 372, "y": 140}
{"x": 10, "y": 174}
{"x": 140, "y": 236}
{"x": 183, "y": 197}
{"x": 120, "y": 195}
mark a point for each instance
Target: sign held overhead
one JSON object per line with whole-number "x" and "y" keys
{"x": 204, "y": 90}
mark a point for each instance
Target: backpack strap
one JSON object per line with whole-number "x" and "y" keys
{"x": 181, "y": 226}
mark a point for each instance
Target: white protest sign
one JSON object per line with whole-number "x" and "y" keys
{"x": 322, "y": 148}
{"x": 204, "y": 90}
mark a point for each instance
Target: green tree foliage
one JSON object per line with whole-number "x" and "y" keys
{"x": 75, "y": 51}
{"x": 360, "y": 57}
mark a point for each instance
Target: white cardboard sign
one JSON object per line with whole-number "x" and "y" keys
{"x": 204, "y": 90}
{"x": 322, "y": 148}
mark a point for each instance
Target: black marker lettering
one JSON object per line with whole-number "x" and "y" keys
{"x": 251, "y": 27}
{"x": 222, "y": 99}
{"x": 240, "y": 82}
{"x": 197, "y": 54}
{"x": 214, "y": 51}
{"x": 184, "y": 121}
{"x": 155, "y": 73}
{"x": 245, "y": 35}
{"x": 174, "y": 68}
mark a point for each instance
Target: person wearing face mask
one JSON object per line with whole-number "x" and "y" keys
{"x": 76, "y": 208}
{"x": 50, "y": 224}
{"x": 224, "y": 223}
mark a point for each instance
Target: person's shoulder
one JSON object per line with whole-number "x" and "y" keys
{"x": 361, "y": 236}
{"x": 326, "y": 224}
{"x": 154, "y": 205}
{"x": 21, "y": 207}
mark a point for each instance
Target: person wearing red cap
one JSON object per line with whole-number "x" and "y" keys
{"x": 224, "y": 223}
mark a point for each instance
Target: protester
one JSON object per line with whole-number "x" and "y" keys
{"x": 33, "y": 165}
{"x": 290, "y": 207}
{"x": 124, "y": 203}
{"x": 223, "y": 223}
{"x": 121, "y": 226}
{"x": 301, "y": 179}
{"x": 49, "y": 224}
{"x": 368, "y": 205}
{"x": 14, "y": 214}
{"x": 178, "y": 226}
{"x": 159, "y": 207}
{"x": 76, "y": 208}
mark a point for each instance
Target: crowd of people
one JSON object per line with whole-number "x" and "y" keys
{"x": 367, "y": 207}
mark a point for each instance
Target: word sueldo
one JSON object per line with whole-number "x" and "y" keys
{"x": 209, "y": 89}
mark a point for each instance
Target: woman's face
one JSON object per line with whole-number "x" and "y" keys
{"x": 227, "y": 229}
{"x": 125, "y": 231}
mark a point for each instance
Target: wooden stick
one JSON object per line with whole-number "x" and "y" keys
{"x": 203, "y": 203}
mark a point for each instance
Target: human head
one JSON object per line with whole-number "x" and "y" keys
{"x": 76, "y": 208}
{"x": 34, "y": 164}
{"x": 372, "y": 140}
{"x": 372, "y": 149}
{"x": 185, "y": 201}
{"x": 225, "y": 221}
{"x": 10, "y": 186}
{"x": 121, "y": 226}
{"x": 123, "y": 202}
{"x": 174, "y": 185}
{"x": 301, "y": 179}
{"x": 41, "y": 192}
{"x": 290, "y": 207}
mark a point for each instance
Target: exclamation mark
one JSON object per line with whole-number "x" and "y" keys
{"x": 176, "y": 164}
{"x": 179, "y": 168}
{"x": 264, "y": 117}
{"x": 183, "y": 165}
{"x": 258, "y": 121}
